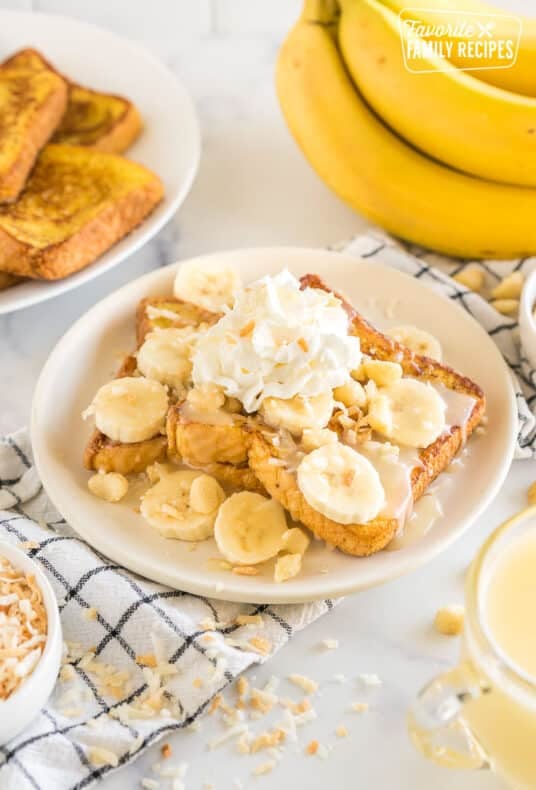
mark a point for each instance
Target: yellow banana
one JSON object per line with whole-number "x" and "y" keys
{"x": 518, "y": 78}
{"x": 450, "y": 115}
{"x": 382, "y": 177}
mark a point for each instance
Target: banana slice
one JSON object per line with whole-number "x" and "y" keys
{"x": 130, "y": 409}
{"x": 297, "y": 413}
{"x": 183, "y": 505}
{"x": 165, "y": 357}
{"x": 341, "y": 484}
{"x": 408, "y": 412}
{"x": 249, "y": 528}
{"x": 417, "y": 340}
{"x": 209, "y": 285}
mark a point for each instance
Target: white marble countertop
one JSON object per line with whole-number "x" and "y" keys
{"x": 253, "y": 189}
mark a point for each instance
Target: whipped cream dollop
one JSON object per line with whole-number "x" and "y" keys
{"x": 277, "y": 341}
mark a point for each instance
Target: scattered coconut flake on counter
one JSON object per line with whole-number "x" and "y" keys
{"x": 250, "y": 619}
{"x": 360, "y": 707}
{"x": 264, "y": 768}
{"x": 338, "y": 677}
{"x": 370, "y": 679}
{"x": 341, "y": 731}
{"x": 98, "y": 756}
{"x": 306, "y": 684}
{"x": 330, "y": 644}
{"x": 23, "y": 627}
{"x": 149, "y": 784}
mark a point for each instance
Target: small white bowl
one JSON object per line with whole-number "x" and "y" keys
{"x": 19, "y": 710}
{"x": 527, "y": 321}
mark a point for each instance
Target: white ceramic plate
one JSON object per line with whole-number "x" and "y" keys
{"x": 169, "y": 144}
{"x": 88, "y": 354}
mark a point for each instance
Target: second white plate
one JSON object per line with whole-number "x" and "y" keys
{"x": 90, "y": 352}
{"x": 169, "y": 144}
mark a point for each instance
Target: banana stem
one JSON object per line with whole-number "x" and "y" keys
{"x": 323, "y": 12}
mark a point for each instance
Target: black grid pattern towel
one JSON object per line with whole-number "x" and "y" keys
{"x": 437, "y": 272}
{"x": 120, "y": 616}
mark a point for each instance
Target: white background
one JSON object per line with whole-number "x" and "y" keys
{"x": 254, "y": 188}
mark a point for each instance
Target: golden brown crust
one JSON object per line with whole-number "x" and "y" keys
{"x": 104, "y": 454}
{"x": 117, "y": 123}
{"x": 116, "y": 217}
{"x": 365, "y": 539}
{"x": 7, "y": 280}
{"x": 42, "y": 119}
{"x": 112, "y": 137}
{"x": 357, "y": 539}
{"x": 184, "y": 314}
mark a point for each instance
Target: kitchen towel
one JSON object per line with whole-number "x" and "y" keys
{"x": 437, "y": 272}
{"x": 114, "y": 621}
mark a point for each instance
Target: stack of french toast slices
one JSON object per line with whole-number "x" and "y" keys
{"x": 404, "y": 413}
{"x": 66, "y": 193}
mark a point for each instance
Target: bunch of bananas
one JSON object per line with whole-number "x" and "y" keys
{"x": 443, "y": 159}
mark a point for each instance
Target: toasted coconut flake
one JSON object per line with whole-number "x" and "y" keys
{"x": 232, "y": 732}
{"x": 97, "y": 756}
{"x": 260, "y": 645}
{"x": 166, "y": 751}
{"x": 242, "y": 686}
{"x": 215, "y": 704}
{"x": 268, "y": 739}
{"x": 146, "y": 660}
{"x": 330, "y": 644}
{"x": 307, "y": 685}
{"x": 370, "y": 679}
{"x": 360, "y": 707}
{"x": 245, "y": 570}
{"x": 264, "y": 768}
{"x": 250, "y": 619}
{"x": 90, "y": 614}
{"x": 262, "y": 701}
{"x": 23, "y": 628}
{"x": 312, "y": 747}
{"x": 341, "y": 731}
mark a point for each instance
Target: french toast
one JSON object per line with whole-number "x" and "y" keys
{"x": 293, "y": 401}
{"x": 7, "y": 280}
{"x": 33, "y": 98}
{"x": 104, "y": 454}
{"x": 363, "y": 539}
{"x": 77, "y": 203}
{"x": 102, "y": 121}
{"x": 167, "y": 312}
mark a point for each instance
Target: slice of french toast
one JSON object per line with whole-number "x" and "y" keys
{"x": 33, "y": 98}
{"x": 280, "y": 480}
{"x": 76, "y": 204}
{"x": 168, "y": 312}
{"x": 104, "y": 454}
{"x": 102, "y": 121}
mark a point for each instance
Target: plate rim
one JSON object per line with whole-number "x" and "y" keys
{"x": 420, "y": 556}
{"x": 96, "y": 268}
